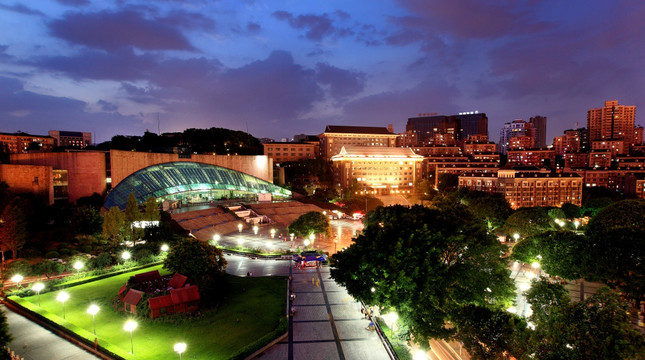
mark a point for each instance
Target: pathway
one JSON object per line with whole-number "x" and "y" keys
{"x": 33, "y": 342}
{"x": 327, "y": 324}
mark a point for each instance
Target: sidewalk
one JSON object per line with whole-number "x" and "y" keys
{"x": 327, "y": 324}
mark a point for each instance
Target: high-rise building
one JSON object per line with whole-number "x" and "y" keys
{"x": 539, "y": 123}
{"x": 75, "y": 139}
{"x": 514, "y": 129}
{"x": 611, "y": 122}
{"x": 423, "y": 129}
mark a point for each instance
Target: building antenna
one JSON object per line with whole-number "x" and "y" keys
{"x": 247, "y": 126}
{"x": 158, "y": 124}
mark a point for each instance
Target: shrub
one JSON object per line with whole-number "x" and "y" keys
{"x": 86, "y": 248}
{"x": 48, "y": 268}
{"x": 64, "y": 251}
{"x": 52, "y": 254}
{"x": 104, "y": 260}
{"x": 22, "y": 267}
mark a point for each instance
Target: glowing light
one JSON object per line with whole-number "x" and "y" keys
{"x": 93, "y": 309}
{"x": 180, "y": 348}
{"x": 420, "y": 355}
{"x": 292, "y": 235}
{"x": 239, "y": 227}
{"x": 511, "y": 310}
{"x": 255, "y": 229}
{"x": 535, "y": 265}
{"x": 373, "y": 289}
{"x": 126, "y": 255}
{"x": 62, "y": 297}
{"x": 516, "y": 236}
{"x": 78, "y": 265}
{"x": 164, "y": 247}
{"x": 272, "y": 233}
{"x": 17, "y": 278}
{"x": 216, "y": 237}
{"x": 525, "y": 286}
{"x": 306, "y": 242}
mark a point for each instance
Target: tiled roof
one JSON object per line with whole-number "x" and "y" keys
{"x": 160, "y": 302}
{"x": 185, "y": 294}
{"x": 178, "y": 280}
{"x": 133, "y": 297}
{"x": 357, "y": 130}
{"x": 147, "y": 276}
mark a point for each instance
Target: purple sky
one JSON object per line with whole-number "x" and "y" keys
{"x": 279, "y": 68}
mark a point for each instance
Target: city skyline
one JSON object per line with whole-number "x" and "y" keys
{"x": 281, "y": 69}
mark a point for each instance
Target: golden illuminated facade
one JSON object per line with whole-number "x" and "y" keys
{"x": 335, "y": 137}
{"x": 290, "y": 151}
{"x": 387, "y": 169}
{"x": 612, "y": 122}
{"x": 531, "y": 157}
{"x": 22, "y": 143}
{"x": 523, "y": 189}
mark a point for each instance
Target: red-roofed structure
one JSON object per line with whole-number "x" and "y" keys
{"x": 161, "y": 306}
{"x": 132, "y": 298}
{"x": 122, "y": 292}
{"x": 178, "y": 281}
{"x": 147, "y": 276}
{"x": 185, "y": 299}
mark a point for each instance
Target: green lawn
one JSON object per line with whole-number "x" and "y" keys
{"x": 253, "y": 308}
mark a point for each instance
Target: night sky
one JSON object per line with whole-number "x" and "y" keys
{"x": 279, "y": 68}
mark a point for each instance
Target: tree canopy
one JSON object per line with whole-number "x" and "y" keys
{"x": 426, "y": 263}
{"x": 528, "y": 222}
{"x": 313, "y": 222}
{"x": 195, "y": 259}
{"x": 615, "y": 247}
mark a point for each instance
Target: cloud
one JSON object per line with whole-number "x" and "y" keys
{"x": 36, "y": 113}
{"x": 342, "y": 83}
{"x": 21, "y": 9}
{"x": 316, "y": 27}
{"x": 253, "y": 28}
{"x": 107, "y": 106}
{"x": 74, "y": 2}
{"x": 121, "y": 64}
{"x": 126, "y": 28}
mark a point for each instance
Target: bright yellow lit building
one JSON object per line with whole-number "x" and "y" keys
{"x": 383, "y": 170}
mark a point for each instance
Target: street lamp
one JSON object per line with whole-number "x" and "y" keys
{"x": 180, "y": 348}
{"x": 17, "y": 279}
{"x": 38, "y": 287}
{"x": 92, "y": 310}
{"x": 78, "y": 266}
{"x": 516, "y": 236}
{"x": 292, "y": 235}
{"x": 62, "y": 297}
{"x": 239, "y": 227}
{"x": 306, "y": 242}
{"x": 373, "y": 289}
{"x": 130, "y": 325}
{"x": 164, "y": 247}
{"x": 126, "y": 255}
{"x": 255, "y": 231}
{"x": 576, "y": 224}
{"x": 240, "y": 242}
{"x": 272, "y": 233}
{"x": 312, "y": 236}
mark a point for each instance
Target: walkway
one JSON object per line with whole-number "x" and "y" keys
{"x": 328, "y": 323}
{"x": 34, "y": 342}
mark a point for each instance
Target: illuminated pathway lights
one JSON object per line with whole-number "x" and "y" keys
{"x": 92, "y": 310}
{"x": 180, "y": 348}
{"x": 38, "y": 287}
{"x": 62, "y": 297}
{"x": 130, "y": 325}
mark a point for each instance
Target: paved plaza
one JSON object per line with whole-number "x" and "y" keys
{"x": 327, "y": 324}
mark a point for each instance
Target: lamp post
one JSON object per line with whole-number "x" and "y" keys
{"x": 306, "y": 242}
{"x": 255, "y": 231}
{"x": 272, "y": 233}
{"x": 126, "y": 255}
{"x": 17, "y": 279}
{"x": 239, "y": 227}
{"x": 38, "y": 287}
{"x": 78, "y": 266}
{"x": 130, "y": 325}
{"x": 516, "y": 236}
{"x": 164, "y": 247}
{"x": 62, "y": 297}
{"x": 180, "y": 348}
{"x": 92, "y": 310}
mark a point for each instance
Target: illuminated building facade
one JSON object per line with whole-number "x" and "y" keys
{"x": 74, "y": 139}
{"x": 385, "y": 170}
{"x": 514, "y": 129}
{"x": 22, "y": 143}
{"x": 612, "y": 122}
{"x": 526, "y": 189}
{"x": 291, "y": 151}
{"x": 531, "y": 157}
{"x": 425, "y": 128}
{"x": 336, "y": 137}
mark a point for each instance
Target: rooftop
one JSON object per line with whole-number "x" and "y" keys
{"x": 340, "y": 129}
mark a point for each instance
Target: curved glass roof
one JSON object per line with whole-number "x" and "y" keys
{"x": 179, "y": 177}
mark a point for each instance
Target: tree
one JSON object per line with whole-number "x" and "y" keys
{"x": 426, "y": 263}
{"x": 13, "y": 227}
{"x": 133, "y": 214}
{"x": 527, "y": 222}
{"x": 615, "y": 247}
{"x": 571, "y": 211}
{"x": 113, "y": 226}
{"x": 562, "y": 253}
{"x": 447, "y": 182}
{"x": 312, "y": 222}
{"x": 48, "y": 268}
{"x": 596, "y": 328}
{"x": 195, "y": 259}
{"x": 151, "y": 210}
{"x": 490, "y": 333}
{"x": 87, "y": 220}
{"x": 493, "y": 209}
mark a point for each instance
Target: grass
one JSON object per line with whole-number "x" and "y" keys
{"x": 252, "y": 308}
{"x": 400, "y": 348}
